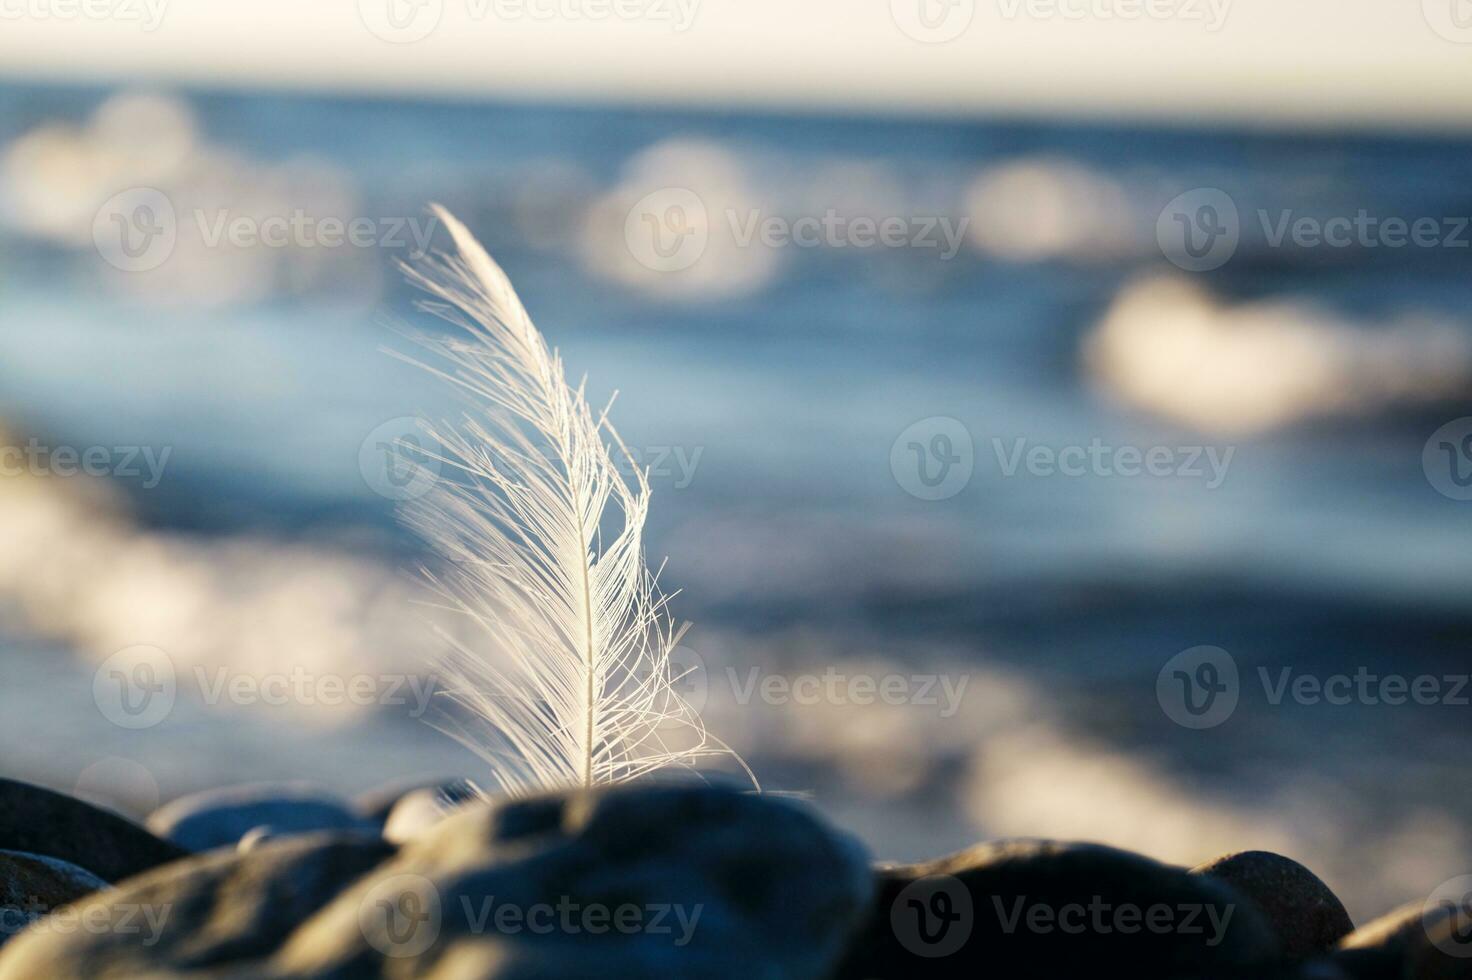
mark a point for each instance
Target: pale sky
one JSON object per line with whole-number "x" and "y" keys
{"x": 1292, "y": 62}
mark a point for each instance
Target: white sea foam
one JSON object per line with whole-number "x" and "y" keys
{"x": 1173, "y": 349}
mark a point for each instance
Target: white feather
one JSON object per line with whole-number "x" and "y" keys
{"x": 565, "y": 670}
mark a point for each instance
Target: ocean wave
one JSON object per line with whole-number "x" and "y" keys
{"x": 1171, "y": 348}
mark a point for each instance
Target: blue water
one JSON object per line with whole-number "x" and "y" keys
{"x": 1325, "y": 544}
{"x": 797, "y": 390}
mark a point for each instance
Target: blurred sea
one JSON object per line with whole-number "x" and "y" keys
{"x": 767, "y": 387}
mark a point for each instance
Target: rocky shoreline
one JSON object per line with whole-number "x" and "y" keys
{"x": 285, "y": 881}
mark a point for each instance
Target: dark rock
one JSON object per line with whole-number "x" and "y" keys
{"x": 1044, "y": 910}
{"x": 1321, "y": 968}
{"x": 1411, "y": 943}
{"x": 199, "y": 917}
{"x": 704, "y": 883}
{"x": 32, "y": 886}
{"x": 1304, "y": 914}
{"x": 1379, "y": 948}
{"x": 257, "y": 837}
{"x": 376, "y": 804}
{"x": 626, "y": 883}
{"x": 37, "y": 821}
{"x": 1445, "y": 950}
{"x": 221, "y": 817}
{"x": 420, "y": 809}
